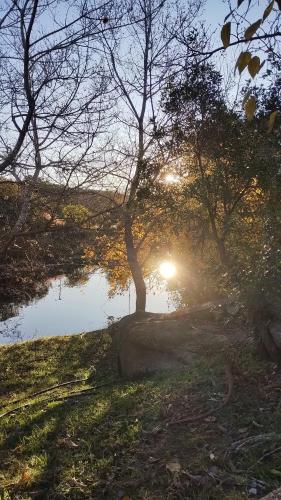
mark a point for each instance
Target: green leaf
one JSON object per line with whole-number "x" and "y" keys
{"x": 225, "y": 34}
{"x": 243, "y": 61}
{"x": 252, "y": 29}
{"x": 254, "y": 66}
{"x": 250, "y": 108}
{"x": 271, "y": 120}
{"x": 268, "y": 10}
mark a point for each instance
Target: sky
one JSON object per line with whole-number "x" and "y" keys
{"x": 215, "y": 12}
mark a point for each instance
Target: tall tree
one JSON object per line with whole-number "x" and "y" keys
{"x": 233, "y": 181}
{"x": 54, "y": 96}
{"x": 141, "y": 58}
{"x": 38, "y": 41}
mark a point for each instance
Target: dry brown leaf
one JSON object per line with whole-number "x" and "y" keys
{"x": 225, "y": 34}
{"x": 78, "y": 483}
{"x": 243, "y": 61}
{"x": 271, "y": 120}
{"x": 66, "y": 443}
{"x": 174, "y": 466}
{"x": 249, "y": 33}
{"x": 26, "y": 475}
{"x": 250, "y": 108}
{"x": 254, "y": 66}
{"x": 268, "y": 10}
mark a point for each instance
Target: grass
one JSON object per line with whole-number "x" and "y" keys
{"x": 118, "y": 444}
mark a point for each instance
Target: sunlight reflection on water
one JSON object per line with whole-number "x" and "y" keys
{"x": 74, "y": 309}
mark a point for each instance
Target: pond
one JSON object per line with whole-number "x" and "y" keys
{"x": 74, "y": 308}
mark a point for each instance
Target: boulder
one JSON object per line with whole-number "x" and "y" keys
{"x": 274, "y": 495}
{"x": 150, "y": 342}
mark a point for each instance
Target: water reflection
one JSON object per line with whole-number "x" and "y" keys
{"x": 78, "y": 303}
{"x": 8, "y": 310}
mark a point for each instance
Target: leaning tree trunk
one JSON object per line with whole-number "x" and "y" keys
{"x": 267, "y": 327}
{"x": 27, "y": 193}
{"x": 21, "y": 220}
{"x": 134, "y": 264}
{"x": 268, "y": 334}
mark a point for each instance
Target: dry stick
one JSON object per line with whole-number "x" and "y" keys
{"x": 253, "y": 440}
{"x": 269, "y": 453}
{"x": 229, "y": 377}
{"x": 266, "y": 455}
{"x": 84, "y": 392}
{"x": 26, "y": 405}
{"x": 43, "y": 391}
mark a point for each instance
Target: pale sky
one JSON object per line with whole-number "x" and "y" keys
{"x": 215, "y": 12}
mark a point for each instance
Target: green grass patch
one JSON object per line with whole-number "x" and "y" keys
{"x": 118, "y": 443}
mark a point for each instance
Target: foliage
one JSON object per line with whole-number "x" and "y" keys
{"x": 226, "y": 170}
{"x": 75, "y": 214}
{"x": 10, "y": 195}
{"x": 262, "y": 29}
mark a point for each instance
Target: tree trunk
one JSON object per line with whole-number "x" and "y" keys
{"x": 268, "y": 335}
{"x": 267, "y": 326}
{"x": 26, "y": 197}
{"x": 27, "y": 192}
{"x": 134, "y": 264}
{"x": 219, "y": 241}
{"x": 222, "y": 252}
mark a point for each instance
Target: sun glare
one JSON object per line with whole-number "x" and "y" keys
{"x": 167, "y": 269}
{"x": 171, "y": 179}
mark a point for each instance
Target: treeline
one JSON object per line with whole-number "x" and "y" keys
{"x": 59, "y": 225}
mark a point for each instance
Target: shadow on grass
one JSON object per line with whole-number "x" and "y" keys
{"x": 71, "y": 449}
{"x": 116, "y": 442}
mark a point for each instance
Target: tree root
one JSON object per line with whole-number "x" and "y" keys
{"x": 195, "y": 418}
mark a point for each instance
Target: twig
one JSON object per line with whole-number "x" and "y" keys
{"x": 273, "y": 386}
{"x": 253, "y": 440}
{"x": 229, "y": 378}
{"x": 268, "y": 454}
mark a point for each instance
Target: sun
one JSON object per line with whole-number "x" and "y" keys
{"x": 167, "y": 269}
{"x": 171, "y": 179}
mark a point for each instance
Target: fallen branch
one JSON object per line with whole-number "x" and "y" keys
{"x": 195, "y": 418}
{"x": 84, "y": 392}
{"x": 43, "y": 391}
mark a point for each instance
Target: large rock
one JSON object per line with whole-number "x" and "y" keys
{"x": 274, "y": 495}
{"x": 149, "y": 342}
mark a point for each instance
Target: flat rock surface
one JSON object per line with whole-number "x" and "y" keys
{"x": 274, "y": 495}
{"x": 151, "y": 342}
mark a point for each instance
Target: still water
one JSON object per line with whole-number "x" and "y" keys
{"x": 75, "y": 309}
